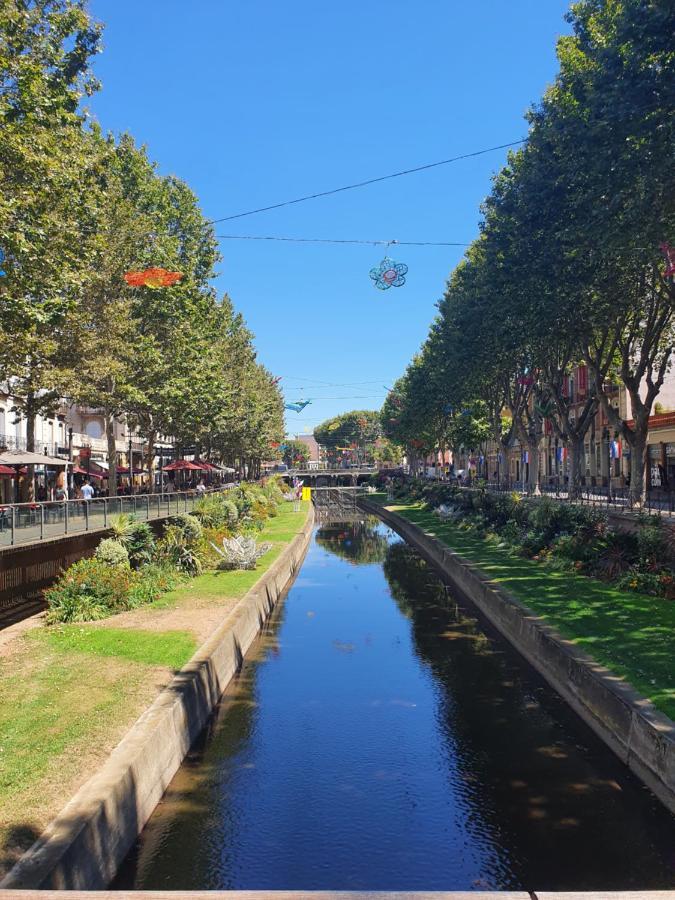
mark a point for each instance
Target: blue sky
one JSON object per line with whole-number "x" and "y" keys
{"x": 257, "y": 102}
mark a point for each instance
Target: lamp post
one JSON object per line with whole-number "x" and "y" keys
{"x": 131, "y": 465}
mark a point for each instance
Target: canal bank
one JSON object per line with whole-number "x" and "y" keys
{"x": 379, "y": 737}
{"x": 82, "y": 847}
{"x": 641, "y": 736}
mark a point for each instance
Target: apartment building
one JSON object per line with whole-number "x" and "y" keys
{"x": 606, "y": 456}
{"x": 74, "y": 432}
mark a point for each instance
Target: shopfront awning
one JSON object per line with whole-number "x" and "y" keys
{"x": 27, "y": 458}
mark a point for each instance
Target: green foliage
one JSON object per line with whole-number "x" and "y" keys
{"x": 177, "y": 550}
{"x": 122, "y": 527}
{"x": 90, "y": 589}
{"x": 154, "y": 580}
{"x": 190, "y": 526}
{"x": 112, "y": 552}
{"x": 358, "y": 431}
{"x": 140, "y": 544}
{"x": 566, "y": 536}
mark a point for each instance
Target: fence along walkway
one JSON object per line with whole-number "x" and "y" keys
{"x": 29, "y": 523}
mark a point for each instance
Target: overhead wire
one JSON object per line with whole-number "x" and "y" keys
{"x": 366, "y": 182}
{"x": 371, "y": 243}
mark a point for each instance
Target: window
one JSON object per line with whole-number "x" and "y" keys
{"x": 93, "y": 429}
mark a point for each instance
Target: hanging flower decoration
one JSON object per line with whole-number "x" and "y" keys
{"x": 669, "y": 253}
{"x": 275, "y": 381}
{"x": 389, "y": 274}
{"x": 274, "y": 444}
{"x": 153, "y": 278}
{"x": 2, "y": 259}
{"x": 362, "y": 423}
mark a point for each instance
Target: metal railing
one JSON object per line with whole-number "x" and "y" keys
{"x": 658, "y": 501}
{"x": 27, "y": 523}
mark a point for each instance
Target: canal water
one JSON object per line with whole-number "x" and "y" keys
{"x": 381, "y": 737}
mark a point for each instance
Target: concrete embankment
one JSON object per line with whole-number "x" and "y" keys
{"x": 641, "y": 736}
{"x": 83, "y": 847}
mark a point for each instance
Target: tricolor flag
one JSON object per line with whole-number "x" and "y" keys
{"x": 615, "y": 450}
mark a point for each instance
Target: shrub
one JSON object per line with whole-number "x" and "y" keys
{"x": 211, "y": 510}
{"x": 89, "y": 589}
{"x": 140, "y": 544}
{"x": 643, "y": 582}
{"x": 653, "y": 546}
{"x": 112, "y": 553}
{"x": 190, "y": 526}
{"x": 122, "y": 526}
{"x": 153, "y": 581}
{"x": 176, "y": 550}
{"x": 231, "y": 512}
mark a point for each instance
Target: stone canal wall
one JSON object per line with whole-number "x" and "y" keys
{"x": 83, "y": 847}
{"x": 641, "y": 736}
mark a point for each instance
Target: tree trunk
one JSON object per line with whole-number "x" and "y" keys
{"x": 150, "y": 460}
{"x": 505, "y": 475}
{"x": 112, "y": 454}
{"x": 535, "y": 469}
{"x": 576, "y": 456}
{"x": 639, "y": 465}
{"x": 28, "y": 484}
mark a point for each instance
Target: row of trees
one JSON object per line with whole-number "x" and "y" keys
{"x": 78, "y": 209}
{"x": 569, "y": 268}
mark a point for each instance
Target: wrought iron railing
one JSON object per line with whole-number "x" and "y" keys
{"x": 26, "y": 523}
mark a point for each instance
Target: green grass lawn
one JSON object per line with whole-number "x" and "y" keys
{"x": 69, "y": 692}
{"x": 632, "y": 634}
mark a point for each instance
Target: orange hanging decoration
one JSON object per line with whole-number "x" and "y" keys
{"x": 153, "y": 278}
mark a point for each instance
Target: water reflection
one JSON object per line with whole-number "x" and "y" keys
{"x": 361, "y": 543}
{"x": 381, "y": 739}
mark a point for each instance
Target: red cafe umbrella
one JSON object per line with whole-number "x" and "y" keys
{"x": 6, "y": 472}
{"x": 182, "y": 464}
{"x": 207, "y": 466}
{"x": 78, "y": 470}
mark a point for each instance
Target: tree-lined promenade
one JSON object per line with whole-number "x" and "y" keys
{"x": 573, "y": 269}
{"x": 78, "y": 210}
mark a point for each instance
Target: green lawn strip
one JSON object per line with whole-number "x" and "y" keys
{"x": 279, "y": 530}
{"x": 171, "y": 649}
{"x": 630, "y": 633}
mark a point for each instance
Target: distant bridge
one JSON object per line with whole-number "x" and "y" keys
{"x": 331, "y": 477}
